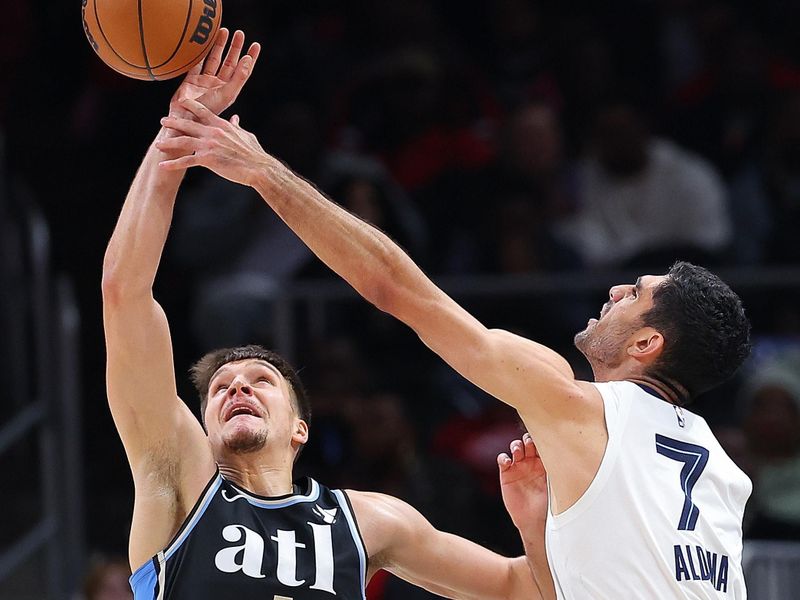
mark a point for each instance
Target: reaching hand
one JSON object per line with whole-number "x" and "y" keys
{"x": 523, "y": 482}
{"x": 216, "y": 83}
{"x": 206, "y": 140}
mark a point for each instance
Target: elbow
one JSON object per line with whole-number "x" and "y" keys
{"x": 110, "y": 284}
{"x": 382, "y": 294}
{"x": 112, "y": 289}
{"x": 118, "y": 288}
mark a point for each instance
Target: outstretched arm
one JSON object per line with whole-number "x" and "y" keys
{"x": 531, "y": 377}
{"x": 565, "y": 415}
{"x": 399, "y": 539}
{"x": 523, "y": 482}
{"x": 157, "y": 429}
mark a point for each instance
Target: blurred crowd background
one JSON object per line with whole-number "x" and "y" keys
{"x": 527, "y": 153}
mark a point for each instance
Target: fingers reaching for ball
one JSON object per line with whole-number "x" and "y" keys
{"x": 518, "y": 451}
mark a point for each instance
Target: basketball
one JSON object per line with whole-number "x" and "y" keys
{"x": 151, "y": 39}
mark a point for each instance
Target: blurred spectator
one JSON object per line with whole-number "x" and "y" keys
{"x": 365, "y": 187}
{"x": 389, "y": 460}
{"x": 771, "y": 400}
{"x": 337, "y": 377}
{"x": 765, "y": 196}
{"x": 239, "y": 251}
{"x": 643, "y": 201}
{"x": 504, "y": 213}
{"x": 107, "y": 579}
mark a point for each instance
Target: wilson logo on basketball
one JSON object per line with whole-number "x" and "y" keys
{"x": 206, "y": 22}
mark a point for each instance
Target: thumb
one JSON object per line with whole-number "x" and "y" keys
{"x": 235, "y": 120}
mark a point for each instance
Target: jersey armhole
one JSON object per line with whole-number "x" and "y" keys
{"x": 615, "y": 414}
{"x": 355, "y": 531}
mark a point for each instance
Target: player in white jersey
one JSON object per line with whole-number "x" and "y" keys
{"x": 644, "y": 503}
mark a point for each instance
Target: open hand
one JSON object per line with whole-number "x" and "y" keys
{"x": 523, "y": 482}
{"x": 215, "y": 82}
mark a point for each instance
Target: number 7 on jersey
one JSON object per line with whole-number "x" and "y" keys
{"x": 694, "y": 459}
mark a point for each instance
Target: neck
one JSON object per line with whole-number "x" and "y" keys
{"x": 669, "y": 390}
{"x": 672, "y": 392}
{"x": 256, "y": 476}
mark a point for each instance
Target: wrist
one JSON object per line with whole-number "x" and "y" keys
{"x": 266, "y": 175}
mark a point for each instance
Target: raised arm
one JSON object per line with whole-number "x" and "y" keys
{"x": 166, "y": 447}
{"x": 399, "y": 539}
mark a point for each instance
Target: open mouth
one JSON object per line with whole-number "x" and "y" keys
{"x": 604, "y": 310}
{"x": 241, "y": 409}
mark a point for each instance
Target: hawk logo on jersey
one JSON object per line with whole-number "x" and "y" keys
{"x": 236, "y": 497}
{"x": 328, "y": 515}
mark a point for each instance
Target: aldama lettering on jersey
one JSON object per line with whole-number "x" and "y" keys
{"x": 698, "y": 564}
{"x": 248, "y": 557}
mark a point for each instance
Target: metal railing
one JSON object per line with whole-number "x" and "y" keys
{"x": 42, "y": 339}
{"x": 288, "y": 299}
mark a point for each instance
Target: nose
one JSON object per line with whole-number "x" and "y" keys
{"x": 239, "y": 386}
{"x": 617, "y": 292}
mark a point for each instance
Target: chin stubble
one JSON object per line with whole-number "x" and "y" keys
{"x": 246, "y": 442}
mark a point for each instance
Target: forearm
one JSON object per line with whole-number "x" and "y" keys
{"x": 135, "y": 248}
{"x": 361, "y": 254}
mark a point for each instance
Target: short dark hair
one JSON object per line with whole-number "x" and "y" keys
{"x": 203, "y": 370}
{"x": 706, "y": 332}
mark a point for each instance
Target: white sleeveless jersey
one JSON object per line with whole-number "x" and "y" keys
{"x": 662, "y": 518}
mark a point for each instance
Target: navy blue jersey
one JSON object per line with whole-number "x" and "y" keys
{"x": 235, "y": 544}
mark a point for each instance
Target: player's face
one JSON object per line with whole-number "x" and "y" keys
{"x": 249, "y": 406}
{"x": 606, "y": 337}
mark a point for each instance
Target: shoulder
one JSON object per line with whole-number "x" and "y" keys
{"x": 384, "y": 521}
{"x": 378, "y": 510}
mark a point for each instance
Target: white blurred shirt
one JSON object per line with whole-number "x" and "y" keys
{"x": 678, "y": 200}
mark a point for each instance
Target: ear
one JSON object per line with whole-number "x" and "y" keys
{"x": 647, "y": 345}
{"x": 300, "y": 433}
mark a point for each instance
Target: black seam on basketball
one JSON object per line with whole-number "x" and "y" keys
{"x": 144, "y": 46}
{"x": 180, "y": 40}
{"x": 108, "y": 43}
{"x": 200, "y": 56}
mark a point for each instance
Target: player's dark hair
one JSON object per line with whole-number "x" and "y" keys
{"x": 203, "y": 370}
{"x": 706, "y": 333}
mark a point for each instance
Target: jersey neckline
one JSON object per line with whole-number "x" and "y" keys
{"x": 305, "y": 490}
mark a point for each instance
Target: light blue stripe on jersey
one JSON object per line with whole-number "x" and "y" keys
{"x": 351, "y": 522}
{"x": 143, "y": 582}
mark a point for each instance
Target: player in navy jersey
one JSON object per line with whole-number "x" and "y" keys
{"x": 216, "y": 513}
{"x": 643, "y": 501}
